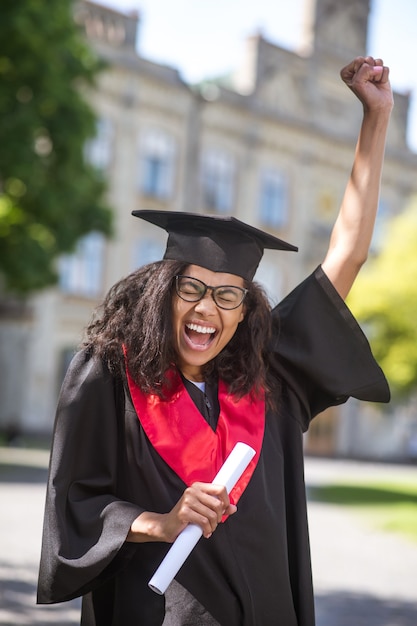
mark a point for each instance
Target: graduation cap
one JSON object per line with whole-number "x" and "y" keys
{"x": 218, "y": 243}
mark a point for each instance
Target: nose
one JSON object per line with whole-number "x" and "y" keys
{"x": 206, "y": 303}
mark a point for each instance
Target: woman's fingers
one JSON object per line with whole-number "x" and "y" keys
{"x": 204, "y": 504}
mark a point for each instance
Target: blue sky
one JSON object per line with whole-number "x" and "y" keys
{"x": 205, "y": 37}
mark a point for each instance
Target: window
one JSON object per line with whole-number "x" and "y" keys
{"x": 217, "y": 179}
{"x": 274, "y": 199}
{"x": 157, "y": 164}
{"x": 99, "y": 150}
{"x": 81, "y": 273}
{"x": 147, "y": 251}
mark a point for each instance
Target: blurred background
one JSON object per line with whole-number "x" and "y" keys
{"x": 221, "y": 107}
{"x": 206, "y": 112}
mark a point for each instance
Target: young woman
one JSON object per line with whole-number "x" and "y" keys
{"x": 184, "y": 360}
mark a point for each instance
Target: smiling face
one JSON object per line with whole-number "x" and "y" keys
{"x": 202, "y": 329}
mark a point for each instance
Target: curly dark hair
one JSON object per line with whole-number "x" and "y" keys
{"x": 137, "y": 314}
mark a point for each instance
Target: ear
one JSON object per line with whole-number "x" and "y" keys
{"x": 242, "y": 315}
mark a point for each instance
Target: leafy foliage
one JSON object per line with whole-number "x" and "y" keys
{"x": 384, "y": 300}
{"x": 49, "y": 195}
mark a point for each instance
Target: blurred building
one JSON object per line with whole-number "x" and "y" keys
{"x": 272, "y": 144}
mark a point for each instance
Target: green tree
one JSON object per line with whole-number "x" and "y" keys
{"x": 49, "y": 195}
{"x": 384, "y": 299}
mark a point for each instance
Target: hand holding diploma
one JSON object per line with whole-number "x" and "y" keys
{"x": 228, "y": 475}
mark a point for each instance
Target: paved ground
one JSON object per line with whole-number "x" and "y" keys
{"x": 362, "y": 577}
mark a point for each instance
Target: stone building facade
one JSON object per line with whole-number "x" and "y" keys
{"x": 271, "y": 144}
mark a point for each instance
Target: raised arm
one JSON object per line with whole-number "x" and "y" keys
{"x": 352, "y": 233}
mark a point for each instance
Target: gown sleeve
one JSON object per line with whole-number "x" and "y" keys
{"x": 320, "y": 350}
{"x": 85, "y": 524}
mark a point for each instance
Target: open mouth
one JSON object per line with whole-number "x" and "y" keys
{"x": 199, "y": 335}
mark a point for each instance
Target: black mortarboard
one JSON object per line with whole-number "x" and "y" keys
{"x": 219, "y": 243}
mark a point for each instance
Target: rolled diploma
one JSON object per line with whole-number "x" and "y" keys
{"x": 228, "y": 475}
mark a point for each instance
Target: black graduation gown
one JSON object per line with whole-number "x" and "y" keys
{"x": 255, "y": 569}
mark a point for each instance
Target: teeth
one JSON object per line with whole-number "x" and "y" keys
{"x": 201, "y": 329}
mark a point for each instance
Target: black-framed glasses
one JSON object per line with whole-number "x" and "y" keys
{"x": 193, "y": 290}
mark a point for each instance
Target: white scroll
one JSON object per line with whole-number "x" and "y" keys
{"x": 228, "y": 475}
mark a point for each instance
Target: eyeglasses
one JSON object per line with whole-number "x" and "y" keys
{"x": 193, "y": 290}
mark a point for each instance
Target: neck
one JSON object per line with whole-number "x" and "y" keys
{"x": 195, "y": 375}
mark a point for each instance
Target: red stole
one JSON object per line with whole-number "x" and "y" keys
{"x": 186, "y": 442}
